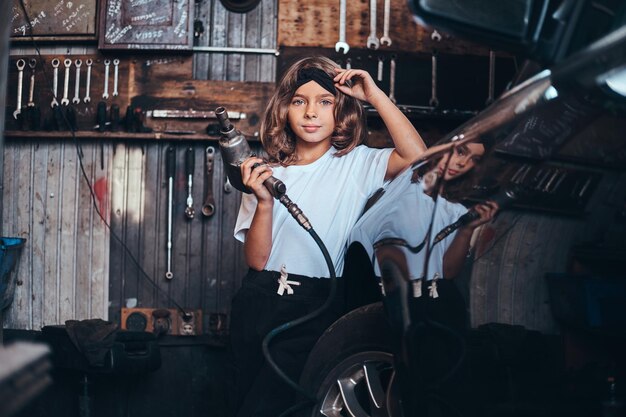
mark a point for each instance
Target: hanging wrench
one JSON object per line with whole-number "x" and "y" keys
{"x": 208, "y": 208}
{"x": 228, "y": 187}
{"x": 379, "y": 75}
{"x": 386, "y": 40}
{"x": 372, "y": 40}
{"x": 31, "y": 90}
{"x": 116, "y": 63}
{"x": 76, "y": 98}
{"x": 434, "y": 102}
{"x": 492, "y": 75}
{"x": 342, "y": 45}
{"x": 189, "y": 168}
{"x": 170, "y": 167}
{"x": 392, "y": 79}
{"x": 55, "y": 82}
{"x": 66, "y": 83}
{"x": 87, "y": 99}
{"x": 105, "y": 95}
{"x": 20, "y": 77}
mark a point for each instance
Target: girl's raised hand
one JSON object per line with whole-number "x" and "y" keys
{"x": 253, "y": 178}
{"x": 362, "y": 85}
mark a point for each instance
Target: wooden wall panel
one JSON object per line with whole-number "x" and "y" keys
{"x": 255, "y": 29}
{"x": 64, "y": 263}
{"x": 206, "y": 260}
{"x": 316, "y": 24}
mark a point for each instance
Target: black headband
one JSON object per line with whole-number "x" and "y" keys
{"x": 319, "y": 76}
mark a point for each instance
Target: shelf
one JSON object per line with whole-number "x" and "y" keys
{"x": 84, "y": 134}
{"x": 427, "y": 112}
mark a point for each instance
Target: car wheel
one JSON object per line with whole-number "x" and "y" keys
{"x": 350, "y": 369}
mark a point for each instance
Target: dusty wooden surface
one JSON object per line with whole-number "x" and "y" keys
{"x": 316, "y": 24}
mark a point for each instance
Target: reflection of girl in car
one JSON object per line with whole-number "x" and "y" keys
{"x": 401, "y": 222}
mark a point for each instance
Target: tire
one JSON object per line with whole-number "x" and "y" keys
{"x": 350, "y": 369}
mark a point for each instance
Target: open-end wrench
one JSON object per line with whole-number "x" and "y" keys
{"x": 116, "y": 63}
{"x": 66, "y": 82}
{"x": 492, "y": 75}
{"x": 170, "y": 168}
{"x": 208, "y": 207}
{"x": 386, "y": 40}
{"x": 87, "y": 98}
{"x": 105, "y": 95}
{"x": 228, "y": 187}
{"x": 372, "y": 39}
{"x": 31, "y": 90}
{"x": 20, "y": 77}
{"x": 189, "y": 169}
{"x": 392, "y": 79}
{"x": 434, "y": 101}
{"x": 55, "y": 82}
{"x": 342, "y": 45}
{"x": 76, "y": 98}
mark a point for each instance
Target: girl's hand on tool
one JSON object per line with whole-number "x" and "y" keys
{"x": 253, "y": 177}
{"x": 356, "y": 83}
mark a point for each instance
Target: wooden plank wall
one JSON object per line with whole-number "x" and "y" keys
{"x": 255, "y": 29}
{"x": 64, "y": 268}
{"x": 207, "y": 263}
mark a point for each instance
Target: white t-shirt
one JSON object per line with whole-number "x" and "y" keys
{"x": 331, "y": 192}
{"x": 405, "y": 212}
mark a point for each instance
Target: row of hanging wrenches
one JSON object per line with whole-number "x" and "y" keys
{"x": 373, "y": 42}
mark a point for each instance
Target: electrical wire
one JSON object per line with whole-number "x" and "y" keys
{"x": 79, "y": 152}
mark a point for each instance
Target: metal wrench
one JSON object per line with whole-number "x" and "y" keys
{"x": 87, "y": 99}
{"x": 116, "y": 63}
{"x": 208, "y": 207}
{"x": 170, "y": 167}
{"x": 66, "y": 83}
{"x": 386, "y": 40}
{"x": 189, "y": 168}
{"x": 105, "y": 95}
{"x": 31, "y": 91}
{"x": 55, "y": 82}
{"x": 342, "y": 45}
{"x": 392, "y": 79}
{"x": 372, "y": 39}
{"x": 76, "y": 98}
{"x": 434, "y": 102}
{"x": 20, "y": 77}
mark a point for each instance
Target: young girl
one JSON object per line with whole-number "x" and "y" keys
{"x": 312, "y": 131}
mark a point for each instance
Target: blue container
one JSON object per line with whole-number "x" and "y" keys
{"x": 10, "y": 250}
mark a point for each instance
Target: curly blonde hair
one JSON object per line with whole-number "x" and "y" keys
{"x": 277, "y": 137}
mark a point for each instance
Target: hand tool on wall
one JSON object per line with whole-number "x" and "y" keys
{"x": 208, "y": 207}
{"x": 116, "y": 63}
{"x": 342, "y": 45}
{"x": 372, "y": 39}
{"x": 392, "y": 79}
{"x": 492, "y": 76}
{"x": 55, "y": 82}
{"x": 170, "y": 168}
{"x": 20, "y": 77}
{"x": 87, "y": 98}
{"x": 189, "y": 169}
{"x": 66, "y": 82}
{"x": 386, "y": 40}
{"x": 379, "y": 73}
{"x": 434, "y": 101}
{"x": 31, "y": 90}
{"x": 105, "y": 94}
{"x": 76, "y": 98}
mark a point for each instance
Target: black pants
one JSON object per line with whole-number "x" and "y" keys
{"x": 256, "y": 310}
